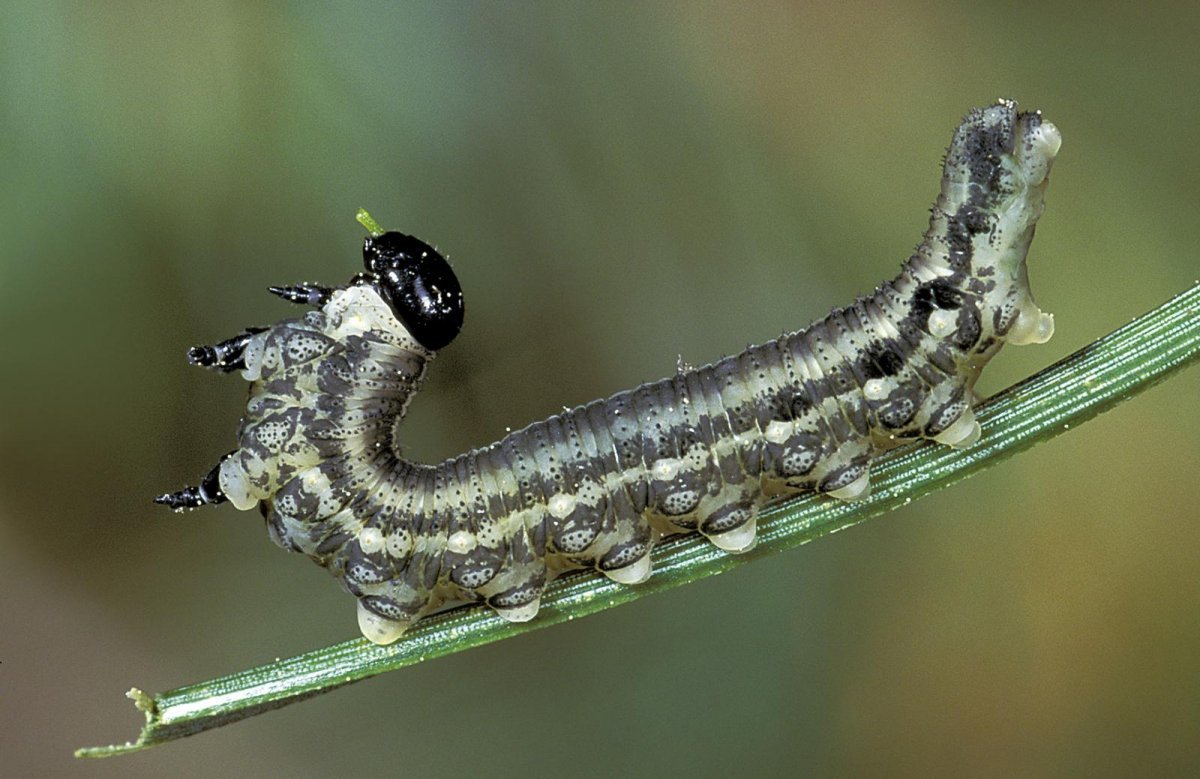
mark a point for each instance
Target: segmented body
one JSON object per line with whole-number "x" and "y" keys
{"x": 700, "y": 451}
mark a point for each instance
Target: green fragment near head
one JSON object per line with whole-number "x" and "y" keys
{"x": 368, "y": 221}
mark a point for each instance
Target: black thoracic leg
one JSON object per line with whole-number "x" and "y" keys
{"x": 227, "y": 356}
{"x": 305, "y": 294}
{"x": 207, "y": 493}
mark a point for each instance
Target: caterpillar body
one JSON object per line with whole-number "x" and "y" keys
{"x": 597, "y": 486}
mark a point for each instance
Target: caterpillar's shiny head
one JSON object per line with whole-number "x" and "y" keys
{"x": 418, "y": 285}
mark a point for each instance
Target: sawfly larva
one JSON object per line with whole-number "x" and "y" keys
{"x": 597, "y": 486}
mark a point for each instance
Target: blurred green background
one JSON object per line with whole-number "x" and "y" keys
{"x": 615, "y": 185}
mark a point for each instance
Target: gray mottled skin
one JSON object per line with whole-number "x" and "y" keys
{"x": 701, "y": 450}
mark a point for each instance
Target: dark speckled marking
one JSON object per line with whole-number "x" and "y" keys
{"x": 968, "y": 329}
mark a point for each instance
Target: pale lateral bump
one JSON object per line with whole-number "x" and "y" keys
{"x": 315, "y": 482}
{"x": 942, "y": 323}
{"x": 236, "y": 485}
{"x": 252, "y": 355}
{"x": 740, "y": 539}
{"x": 666, "y": 468}
{"x": 1038, "y": 152}
{"x": 371, "y": 540}
{"x": 964, "y": 432}
{"x": 777, "y": 431}
{"x": 520, "y": 613}
{"x": 635, "y": 573}
{"x": 561, "y": 505}
{"x": 875, "y": 389}
{"x": 377, "y": 629}
{"x": 1033, "y": 326}
{"x": 461, "y": 542}
{"x": 1049, "y": 138}
{"x": 858, "y": 489}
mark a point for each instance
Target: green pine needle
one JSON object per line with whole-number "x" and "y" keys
{"x": 368, "y": 221}
{"x": 1093, "y": 380}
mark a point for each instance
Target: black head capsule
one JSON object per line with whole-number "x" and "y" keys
{"x": 418, "y": 285}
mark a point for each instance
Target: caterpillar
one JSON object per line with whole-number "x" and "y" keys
{"x": 598, "y": 485}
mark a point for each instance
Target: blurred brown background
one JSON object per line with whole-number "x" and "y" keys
{"x": 615, "y": 185}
